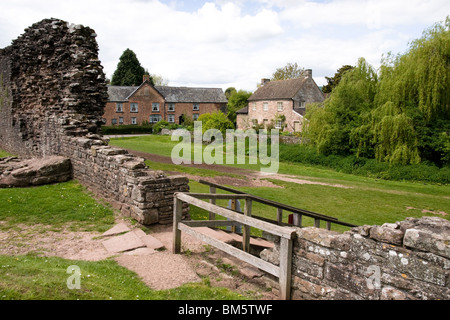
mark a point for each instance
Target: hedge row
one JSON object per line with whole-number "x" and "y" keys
{"x": 365, "y": 167}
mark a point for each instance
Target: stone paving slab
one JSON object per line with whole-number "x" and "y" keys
{"x": 117, "y": 229}
{"x": 150, "y": 241}
{"x": 122, "y": 243}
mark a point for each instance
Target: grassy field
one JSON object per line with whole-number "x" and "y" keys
{"x": 33, "y": 277}
{"x": 364, "y": 200}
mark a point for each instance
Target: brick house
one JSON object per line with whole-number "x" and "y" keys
{"x": 148, "y": 103}
{"x": 282, "y": 102}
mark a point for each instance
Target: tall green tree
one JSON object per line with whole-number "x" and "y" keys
{"x": 332, "y": 82}
{"x": 237, "y": 101}
{"x": 129, "y": 71}
{"x": 289, "y": 71}
{"x": 330, "y": 128}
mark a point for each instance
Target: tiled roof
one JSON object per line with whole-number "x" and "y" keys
{"x": 282, "y": 89}
{"x": 173, "y": 94}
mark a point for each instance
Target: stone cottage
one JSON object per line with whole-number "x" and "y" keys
{"x": 282, "y": 103}
{"x": 148, "y": 103}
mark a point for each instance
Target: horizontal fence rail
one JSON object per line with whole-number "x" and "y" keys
{"x": 297, "y": 212}
{"x": 286, "y": 234}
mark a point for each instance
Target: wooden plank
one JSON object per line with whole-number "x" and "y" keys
{"x": 246, "y": 229}
{"x": 285, "y": 268}
{"x": 216, "y": 196}
{"x": 285, "y": 232}
{"x": 211, "y": 223}
{"x": 212, "y": 190}
{"x": 244, "y": 256}
{"x": 317, "y": 223}
{"x": 177, "y": 215}
{"x": 297, "y": 220}
{"x": 279, "y": 215}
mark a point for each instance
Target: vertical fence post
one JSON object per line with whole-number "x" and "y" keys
{"x": 212, "y": 215}
{"x": 246, "y": 229}
{"x": 297, "y": 220}
{"x": 177, "y": 214}
{"x": 279, "y": 215}
{"x": 285, "y": 268}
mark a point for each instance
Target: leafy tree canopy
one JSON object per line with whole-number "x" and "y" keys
{"x": 237, "y": 101}
{"x": 400, "y": 114}
{"x": 129, "y": 71}
{"x": 334, "y": 81}
{"x": 290, "y": 71}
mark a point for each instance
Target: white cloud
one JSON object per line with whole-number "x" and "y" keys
{"x": 235, "y": 43}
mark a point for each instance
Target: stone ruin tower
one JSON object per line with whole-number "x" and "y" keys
{"x": 52, "y": 97}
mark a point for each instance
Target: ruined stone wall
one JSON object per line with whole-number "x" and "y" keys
{"x": 52, "y": 98}
{"x": 407, "y": 260}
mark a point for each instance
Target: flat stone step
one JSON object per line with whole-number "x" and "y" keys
{"x": 117, "y": 229}
{"x": 126, "y": 242}
{"x": 150, "y": 241}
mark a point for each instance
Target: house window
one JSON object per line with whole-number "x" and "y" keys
{"x": 278, "y": 124}
{"x": 195, "y": 116}
{"x": 154, "y": 118}
{"x": 280, "y": 106}
{"x": 155, "y": 107}
{"x": 303, "y": 104}
{"x": 133, "y": 107}
{"x": 119, "y": 107}
{"x": 171, "y": 107}
{"x": 114, "y": 121}
{"x": 266, "y": 106}
{"x": 254, "y": 106}
{"x": 171, "y": 118}
{"x": 133, "y": 120}
{"x": 196, "y": 107}
{"x": 120, "y": 120}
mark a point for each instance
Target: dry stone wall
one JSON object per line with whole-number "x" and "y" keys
{"x": 407, "y": 260}
{"x": 52, "y": 96}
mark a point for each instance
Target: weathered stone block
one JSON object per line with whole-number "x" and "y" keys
{"x": 388, "y": 234}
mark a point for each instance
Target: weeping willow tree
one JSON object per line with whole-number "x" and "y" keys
{"x": 330, "y": 127}
{"x": 417, "y": 85}
{"x": 401, "y": 116}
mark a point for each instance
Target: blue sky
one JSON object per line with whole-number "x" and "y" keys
{"x": 220, "y": 43}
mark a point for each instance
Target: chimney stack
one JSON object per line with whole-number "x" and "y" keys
{"x": 264, "y": 81}
{"x": 145, "y": 77}
{"x": 308, "y": 73}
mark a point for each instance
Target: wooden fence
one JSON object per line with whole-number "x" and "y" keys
{"x": 278, "y": 228}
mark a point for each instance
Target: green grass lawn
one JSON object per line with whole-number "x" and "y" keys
{"x": 367, "y": 200}
{"x": 30, "y": 277}
{"x": 33, "y": 277}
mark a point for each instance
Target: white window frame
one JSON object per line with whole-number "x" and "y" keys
{"x": 119, "y": 107}
{"x": 280, "y": 106}
{"x": 171, "y": 118}
{"x": 278, "y": 124}
{"x": 120, "y": 120}
{"x": 195, "y": 116}
{"x": 155, "y": 116}
{"x": 265, "y": 106}
{"x": 253, "y": 106}
{"x": 196, "y": 107}
{"x": 171, "y": 107}
{"x": 133, "y": 120}
{"x": 113, "y": 121}
{"x": 155, "y": 107}
{"x": 132, "y": 105}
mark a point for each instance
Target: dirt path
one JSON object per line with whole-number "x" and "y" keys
{"x": 249, "y": 178}
{"x": 159, "y": 269}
